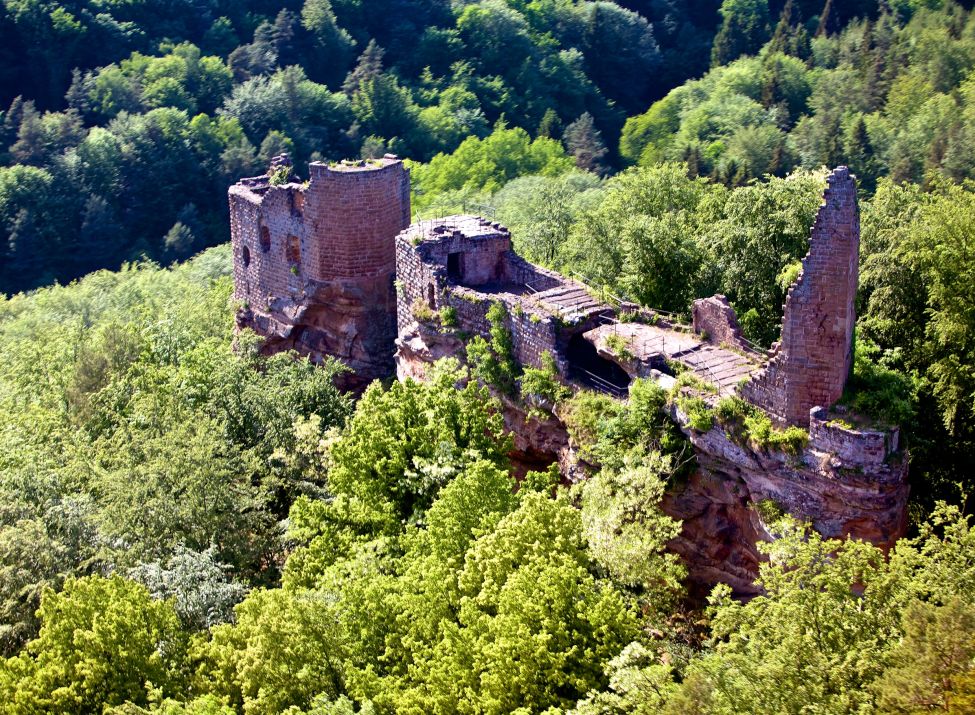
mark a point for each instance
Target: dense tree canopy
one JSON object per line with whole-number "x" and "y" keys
{"x": 188, "y": 527}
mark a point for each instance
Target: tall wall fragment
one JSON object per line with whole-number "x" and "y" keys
{"x": 810, "y": 366}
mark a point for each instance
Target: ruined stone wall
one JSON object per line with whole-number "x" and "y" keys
{"x": 355, "y": 214}
{"x": 530, "y": 336}
{"x": 716, "y": 318}
{"x": 846, "y": 482}
{"x": 487, "y": 262}
{"x": 815, "y": 353}
{"x": 260, "y": 227}
{"x": 314, "y": 264}
{"x": 416, "y": 282}
{"x": 828, "y": 433}
{"x": 517, "y": 270}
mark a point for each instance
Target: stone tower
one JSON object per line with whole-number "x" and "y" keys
{"x": 810, "y": 366}
{"x": 315, "y": 262}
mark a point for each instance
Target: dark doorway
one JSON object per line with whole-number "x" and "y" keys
{"x": 455, "y": 267}
{"x": 586, "y": 366}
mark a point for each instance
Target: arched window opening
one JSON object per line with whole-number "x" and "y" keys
{"x": 246, "y": 254}
{"x": 265, "y": 239}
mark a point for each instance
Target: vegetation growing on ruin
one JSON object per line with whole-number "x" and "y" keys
{"x": 619, "y": 346}
{"x": 749, "y": 425}
{"x": 187, "y": 526}
{"x": 700, "y": 415}
{"x": 542, "y": 388}
{"x": 493, "y": 363}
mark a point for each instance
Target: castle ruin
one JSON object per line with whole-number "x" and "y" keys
{"x": 333, "y": 267}
{"x": 314, "y": 261}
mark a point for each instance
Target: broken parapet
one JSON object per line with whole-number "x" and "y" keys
{"x": 314, "y": 263}
{"x": 715, "y": 319}
{"x": 815, "y": 354}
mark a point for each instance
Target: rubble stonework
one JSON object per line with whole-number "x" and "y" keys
{"x": 314, "y": 263}
{"x": 815, "y": 354}
{"x": 314, "y": 267}
{"x": 715, "y": 319}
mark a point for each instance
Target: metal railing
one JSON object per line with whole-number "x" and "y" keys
{"x": 604, "y": 385}
{"x": 480, "y": 209}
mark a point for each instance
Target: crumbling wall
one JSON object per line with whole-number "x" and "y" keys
{"x": 517, "y": 270}
{"x": 715, "y": 318}
{"x": 261, "y": 223}
{"x": 314, "y": 263}
{"x": 815, "y": 353}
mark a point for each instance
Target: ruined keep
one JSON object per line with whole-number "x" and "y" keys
{"x": 314, "y": 262}
{"x": 850, "y": 477}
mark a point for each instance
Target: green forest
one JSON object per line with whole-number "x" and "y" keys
{"x": 190, "y": 527}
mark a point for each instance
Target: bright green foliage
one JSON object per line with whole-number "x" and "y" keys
{"x": 182, "y": 79}
{"x": 828, "y": 626}
{"x": 639, "y": 684}
{"x": 102, "y": 642}
{"x": 641, "y": 238}
{"x": 585, "y": 415}
{"x": 700, "y": 416}
{"x": 181, "y": 487}
{"x": 487, "y": 164}
{"x": 485, "y": 593}
{"x": 749, "y": 425}
{"x": 542, "y": 388}
{"x": 448, "y": 316}
{"x": 405, "y": 442}
{"x": 284, "y": 649}
{"x": 626, "y": 530}
{"x": 494, "y": 363}
{"x": 533, "y": 621}
{"x": 131, "y": 430}
{"x": 539, "y": 211}
{"x": 930, "y": 245}
{"x": 877, "y": 391}
{"x": 938, "y": 646}
{"x": 915, "y": 266}
{"x": 605, "y": 431}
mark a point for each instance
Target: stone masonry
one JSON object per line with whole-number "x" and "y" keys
{"x": 715, "y": 319}
{"x": 813, "y": 359}
{"x": 465, "y": 263}
{"x": 314, "y": 262}
{"x": 314, "y": 270}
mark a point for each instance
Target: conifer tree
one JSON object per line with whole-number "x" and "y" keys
{"x": 585, "y": 143}
{"x": 744, "y": 29}
{"x": 550, "y": 124}
{"x": 369, "y": 66}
